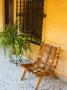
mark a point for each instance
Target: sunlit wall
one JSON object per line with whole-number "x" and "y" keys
{"x": 1, "y": 14}
{"x": 55, "y": 29}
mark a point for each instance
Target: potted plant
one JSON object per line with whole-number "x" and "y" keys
{"x": 11, "y": 38}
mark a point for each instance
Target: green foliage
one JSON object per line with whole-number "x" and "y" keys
{"x": 14, "y": 40}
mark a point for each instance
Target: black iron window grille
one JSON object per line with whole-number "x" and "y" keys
{"x": 30, "y": 18}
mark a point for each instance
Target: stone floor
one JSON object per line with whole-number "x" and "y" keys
{"x": 10, "y": 76}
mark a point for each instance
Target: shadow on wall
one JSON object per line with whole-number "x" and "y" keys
{"x": 61, "y": 67}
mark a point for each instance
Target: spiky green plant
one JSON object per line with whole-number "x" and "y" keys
{"x": 15, "y": 41}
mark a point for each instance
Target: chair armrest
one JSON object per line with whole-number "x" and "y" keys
{"x": 27, "y": 65}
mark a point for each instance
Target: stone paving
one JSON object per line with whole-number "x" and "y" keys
{"x": 10, "y": 76}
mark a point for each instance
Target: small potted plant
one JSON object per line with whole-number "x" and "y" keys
{"x": 13, "y": 40}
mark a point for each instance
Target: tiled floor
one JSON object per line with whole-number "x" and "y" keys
{"x": 10, "y": 76}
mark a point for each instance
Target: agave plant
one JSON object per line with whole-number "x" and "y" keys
{"x": 14, "y": 40}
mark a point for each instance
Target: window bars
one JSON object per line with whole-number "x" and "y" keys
{"x": 30, "y": 18}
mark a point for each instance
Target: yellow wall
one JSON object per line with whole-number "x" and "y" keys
{"x": 1, "y": 14}
{"x": 55, "y": 29}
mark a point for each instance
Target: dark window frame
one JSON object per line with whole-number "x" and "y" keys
{"x": 29, "y": 17}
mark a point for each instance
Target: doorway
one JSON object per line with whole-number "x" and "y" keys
{"x": 9, "y": 12}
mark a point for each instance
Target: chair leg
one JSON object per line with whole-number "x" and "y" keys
{"x": 38, "y": 83}
{"x": 22, "y": 78}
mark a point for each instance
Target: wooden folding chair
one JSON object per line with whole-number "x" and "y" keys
{"x": 45, "y": 63}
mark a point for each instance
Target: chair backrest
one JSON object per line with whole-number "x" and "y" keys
{"x": 49, "y": 56}
{"x": 41, "y": 50}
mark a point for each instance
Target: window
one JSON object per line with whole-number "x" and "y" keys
{"x": 30, "y": 17}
